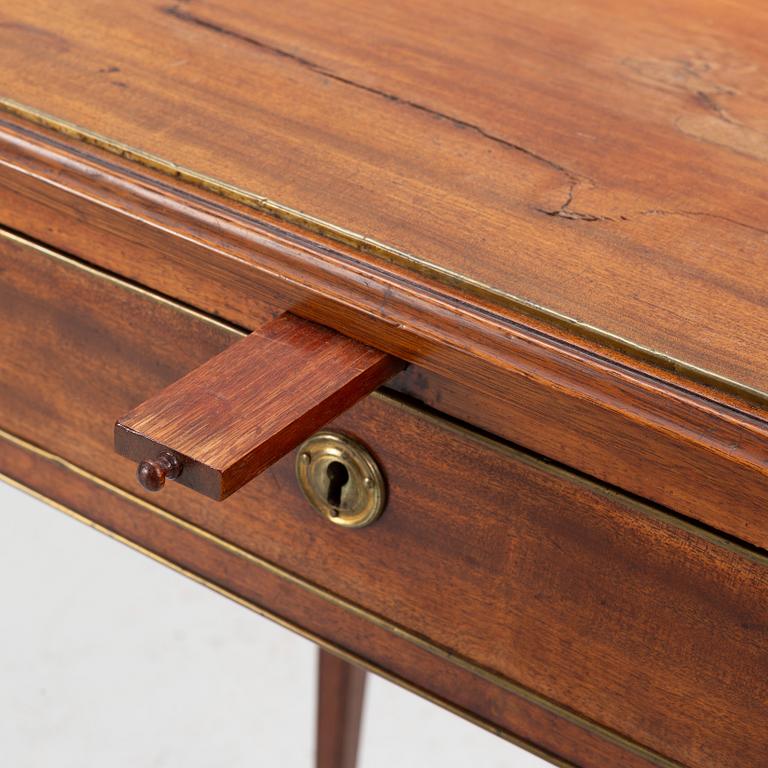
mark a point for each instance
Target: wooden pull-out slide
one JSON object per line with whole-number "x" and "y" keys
{"x": 228, "y": 420}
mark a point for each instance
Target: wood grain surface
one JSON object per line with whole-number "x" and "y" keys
{"x": 71, "y": 411}
{"x": 595, "y": 607}
{"x": 340, "y": 690}
{"x": 561, "y": 740}
{"x": 649, "y": 431}
{"x": 604, "y": 162}
{"x": 245, "y": 408}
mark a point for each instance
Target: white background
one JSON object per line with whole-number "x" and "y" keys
{"x": 110, "y": 660}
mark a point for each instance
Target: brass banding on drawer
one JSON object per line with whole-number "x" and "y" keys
{"x": 524, "y": 571}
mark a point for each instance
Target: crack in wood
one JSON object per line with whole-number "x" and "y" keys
{"x": 184, "y": 15}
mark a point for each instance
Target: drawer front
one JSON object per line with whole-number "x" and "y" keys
{"x": 529, "y": 577}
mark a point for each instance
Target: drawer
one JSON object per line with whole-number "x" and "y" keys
{"x": 592, "y": 606}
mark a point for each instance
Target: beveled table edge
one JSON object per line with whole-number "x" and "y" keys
{"x": 391, "y": 254}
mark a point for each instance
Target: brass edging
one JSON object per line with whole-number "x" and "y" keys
{"x": 398, "y": 631}
{"x": 316, "y": 639}
{"x": 120, "y": 282}
{"x": 443, "y": 422}
{"x": 389, "y": 253}
{"x": 622, "y": 498}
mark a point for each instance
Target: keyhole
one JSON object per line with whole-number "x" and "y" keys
{"x": 338, "y": 477}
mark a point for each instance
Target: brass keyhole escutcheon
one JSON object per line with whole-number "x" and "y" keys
{"x": 340, "y": 479}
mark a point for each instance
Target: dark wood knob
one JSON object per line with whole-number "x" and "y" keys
{"x": 152, "y": 473}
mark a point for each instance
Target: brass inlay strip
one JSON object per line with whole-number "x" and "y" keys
{"x": 120, "y": 282}
{"x": 363, "y": 613}
{"x": 394, "y": 399}
{"x": 387, "y": 252}
{"x": 316, "y": 639}
{"x": 638, "y": 506}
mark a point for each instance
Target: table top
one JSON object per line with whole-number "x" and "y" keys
{"x": 602, "y": 165}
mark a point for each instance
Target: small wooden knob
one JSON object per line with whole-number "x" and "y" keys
{"x": 152, "y": 473}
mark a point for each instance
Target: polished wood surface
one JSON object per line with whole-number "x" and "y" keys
{"x": 339, "y": 710}
{"x": 554, "y": 213}
{"x": 604, "y": 162}
{"x": 560, "y": 739}
{"x": 59, "y": 410}
{"x": 234, "y": 416}
{"x": 649, "y": 431}
{"x": 567, "y": 593}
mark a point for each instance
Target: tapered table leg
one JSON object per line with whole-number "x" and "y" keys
{"x": 340, "y": 703}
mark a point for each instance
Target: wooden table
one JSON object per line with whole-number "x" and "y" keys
{"x": 538, "y": 231}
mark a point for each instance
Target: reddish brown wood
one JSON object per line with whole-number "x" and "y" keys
{"x": 572, "y": 155}
{"x": 555, "y": 210}
{"x": 340, "y": 689}
{"x": 152, "y": 473}
{"x": 528, "y": 574}
{"x": 228, "y": 420}
{"x": 639, "y": 428}
{"x": 506, "y": 714}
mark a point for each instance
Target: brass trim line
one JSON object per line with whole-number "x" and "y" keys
{"x": 120, "y": 282}
{"x": 398, "y": 631}
{"x": 387, "y": 252}
{"x": 467, "y": 431}
{"x": 444, "y": 422}
{"x": 316, "y": 639}
{"x": 646, "y": 508}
